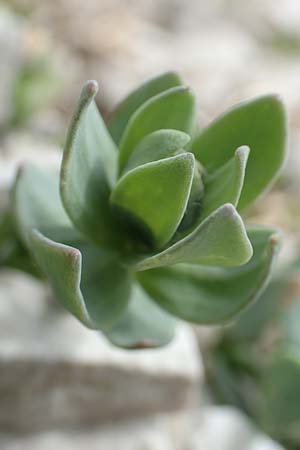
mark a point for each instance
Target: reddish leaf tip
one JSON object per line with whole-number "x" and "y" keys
{"x": 90, "y": 88}
{"x": 274, "y": 240}
{"x": 145, "y": 344}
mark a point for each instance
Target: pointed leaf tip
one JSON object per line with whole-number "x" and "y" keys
{"x": 154, "y": 196}
{"x": 88, "y": 170}
{"x": 225, "y": 184}
{"x": 87, "y": 281}
{"x": 89, "y": 89}
{"x": 220, "y": 240}
{"x": 214, "y": 295}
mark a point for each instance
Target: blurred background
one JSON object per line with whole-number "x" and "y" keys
{"x": 215, "y": 388}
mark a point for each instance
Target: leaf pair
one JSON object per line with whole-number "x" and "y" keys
{"x": 180, "y": 202}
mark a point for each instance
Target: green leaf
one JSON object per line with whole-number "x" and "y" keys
{"x": 12, "y": 250}
{"x": 259, "y": 124}
{"x": 88, "y": 169}
{"x": 157, "y": 145}
{"x": 143, "y": 325}
{"x": 155, "y": 196}
{"x": 282, "y": 394}
{"x": 88, "y": 282}
{"x": 220, "y": 240}
{"x": 121, "y": 115}
{"x": 194, "y": 206}
{"x": 225, "y": 184}
{"x": 262, "y": 314}
{"x": 37, "y": 204}
{"x": 213, "y": 295}
{"x": 172, "y": 109}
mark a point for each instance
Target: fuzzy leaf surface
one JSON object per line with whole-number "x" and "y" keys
{"x": 155, "y": 195}
{"x": 143, "y": 324}
{"x": 213, "y": 295}
{"x": 121, "y": 115}
{"x": 220, "y": 240}
{"x": 157, "y": 145}
{"x": 37, "y": 205}
{"x": 88, "y": 282}
{"x": 225, "y": 184}
{"x": 261, "y": 125}
{"x": 88, "y": 170}
{"x": 172, "y": 109}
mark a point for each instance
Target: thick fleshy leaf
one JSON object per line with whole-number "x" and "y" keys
{"x": 154, "y": 197}
{"x": 88, "y": 282}
{"x": 225, "y": 184}
{"x": 157, "y": 145}
{"x": 172, "y": 109}
{"x": 37, "y": 205}
{"x": 220, "y": 240}
{"x": 213, "y": 295}
{"x": 194, "y": 206}
{"x": 262, "y": 314}
{"x": 88, "y": 168}
{"x": 121, "y": 115}
{"x": 259, "y": 124}
{"x": 143, "y": 325}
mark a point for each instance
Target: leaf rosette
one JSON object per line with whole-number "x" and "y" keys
{"x": 143, "y": 224}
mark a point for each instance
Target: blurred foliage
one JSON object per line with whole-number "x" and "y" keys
{"x": 256, "y": 363}
{"x": 36, "y": 85}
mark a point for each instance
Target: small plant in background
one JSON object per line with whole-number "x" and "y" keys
{"x": 35, "y": 86}
{"x": 255, "y": 365}
{"x": 143, "y": 225}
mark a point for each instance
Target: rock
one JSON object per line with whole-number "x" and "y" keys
{"x": 54, "y": 372}
{"x": 154, "y": 433}
{"x": 225, "y": 428}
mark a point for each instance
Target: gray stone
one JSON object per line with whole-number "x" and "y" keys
{"x": 54, "y": 372}
{"x": 154, "y": 433}
{"x": 226, "y": 428}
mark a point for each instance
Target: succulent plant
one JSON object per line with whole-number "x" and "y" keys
{"x": 256, "y": 363}
{"x": 144, "y": 226}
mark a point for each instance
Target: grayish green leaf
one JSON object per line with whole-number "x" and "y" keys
{"x": 88, "y": 169}
{"x": 155, "y": 196}
{"x": 259, "y": 124}
{"x": 172, "y": 109}
{"x": 213, "y": 295}
{"x": 121, "y": 115}
{"x": 220, "y": 240}
{"x": 37, "y": 204}
{"x": 157, "y": 145}
{"x": 143, "y": 325}
{"x": 88, "y": 282}
{"x": 225, "y": 184}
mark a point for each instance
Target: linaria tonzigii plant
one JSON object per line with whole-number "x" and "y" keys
{"x": 143, "y": 225}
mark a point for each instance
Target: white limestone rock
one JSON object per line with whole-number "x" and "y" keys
{"x": 54, "y": 372}
{"x": 154, "y": 433}
{"x": 225, "y": 428}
